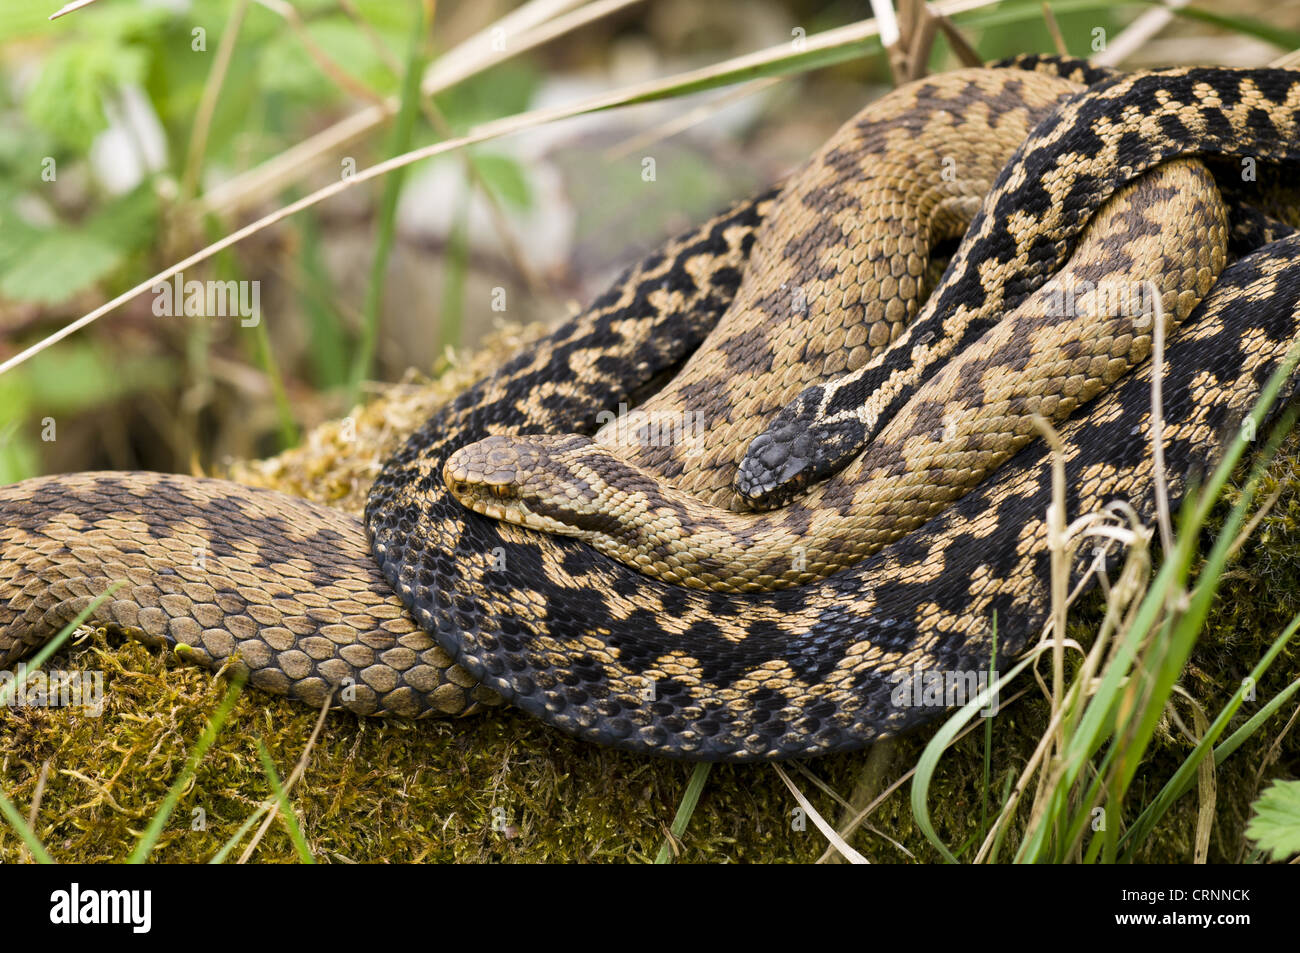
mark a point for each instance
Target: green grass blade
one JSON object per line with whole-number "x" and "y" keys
{"x": 929, "y": 760}
{"x": 1007, "y": 787}
{"x": 401, "y": 142}
{"x": 284, "y": 409}
{"x": 1185, "y": 776}
{"x": 1247, "y": 26}
{"x": 52, "y": 646}
{"x": 694, "y": 788}
{"x": 220, "y": 856}
{"x": 286, "y": 809}
{"x": 19, "y": 824}
{"x": 327, "y": 343}
{"x": 1097, "y": 722}
{"x": 1178, "y": 649}
{"x": 1236, "y": 739}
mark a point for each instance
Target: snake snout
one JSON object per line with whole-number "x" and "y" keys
{"x": 511, "y": 478}
{"x": 790, "y": 456}
{"x": 776, "y": 467}
{"x": 491, "y": 464}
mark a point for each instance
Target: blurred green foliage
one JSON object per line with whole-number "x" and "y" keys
{"x": 66, "y": 241}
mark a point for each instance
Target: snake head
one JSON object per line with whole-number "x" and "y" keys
{"x": 795, "y": 452}
{"x": 527, "y": 480}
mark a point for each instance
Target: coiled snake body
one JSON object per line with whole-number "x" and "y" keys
{"x": 611, "y": 655}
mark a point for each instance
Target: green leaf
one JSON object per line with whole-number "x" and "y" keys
{"x": 16, "y": 238}
{"x": 22, "y": 150}
{"x": 287, "y": 67}
{"x": 120, "y": 21}
{"x": 383, "y": 15}
{"x": 79, "y": 375}
{"x": 505, "y": 90}
{"x": 67, "y": 99}
{"x": 505, "y": 177}
{"x": 57, "y": 265}
{"x": 127, "y": 223}
{"x": 1276, "y": 824}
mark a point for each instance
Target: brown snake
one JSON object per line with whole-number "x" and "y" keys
{"x": 963, "y": 423}
{"x": 600, "y": 650}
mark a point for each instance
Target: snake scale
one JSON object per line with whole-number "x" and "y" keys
{"x": 431, "y": 608}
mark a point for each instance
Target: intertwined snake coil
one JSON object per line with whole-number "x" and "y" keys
{"x": 609, "y": 654}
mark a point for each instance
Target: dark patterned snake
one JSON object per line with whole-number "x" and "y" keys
{"x": 616, "y": 656}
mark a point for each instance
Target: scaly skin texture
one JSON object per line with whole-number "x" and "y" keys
{"x": 1076, "y": 335}
{"x": 1042, "y": 199}
{"x": 221, "y": 568}
{"x": 583, "y": 642}
{"x": 610, "y": 656}
{"x": 843, "y": 273}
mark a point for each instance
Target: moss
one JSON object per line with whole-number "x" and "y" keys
{"x": 502, "y": 787}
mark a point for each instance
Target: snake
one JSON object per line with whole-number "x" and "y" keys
{"x": 959, "y": 426}
{"x": 427, "y": 607}
{"x": 1250, "y": 114}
